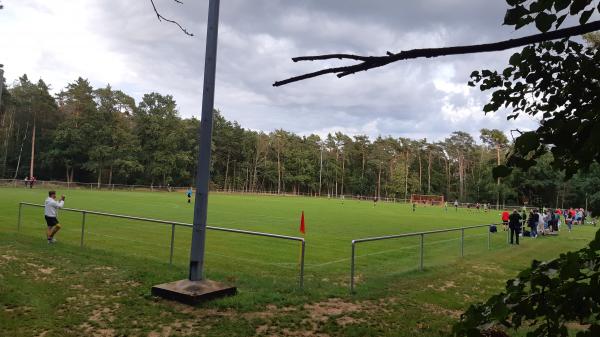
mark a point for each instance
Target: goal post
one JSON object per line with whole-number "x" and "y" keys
{"x": 427, "y": 199}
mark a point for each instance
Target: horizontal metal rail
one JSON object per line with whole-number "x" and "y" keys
{"x": 416, "y": 234}
{"x": 421, "y": 236}
{"x": 173, "y": 224}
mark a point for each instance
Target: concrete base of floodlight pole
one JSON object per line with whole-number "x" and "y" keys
{"x": 193, "y": 292}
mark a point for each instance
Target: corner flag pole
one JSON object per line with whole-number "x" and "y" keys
{"x": 206, "y": 123}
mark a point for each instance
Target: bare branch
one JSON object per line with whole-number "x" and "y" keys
{"x": 332, "y": 56}
{"x": 161, "y": 18}
{"x": 372, "y": 62}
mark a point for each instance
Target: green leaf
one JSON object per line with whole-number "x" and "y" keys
{"x": 513, "y": 15}
{"x": 527, "y": 142}
{"x": 515, "y": 59}
{"x": 559, "y": 5}
{"x": 501, "y": 171}
{"x": 544, "y": 21}
{"x": 578, "y": 5}
{"x": 560, "y": 20}
{"x": 585, "y": 16}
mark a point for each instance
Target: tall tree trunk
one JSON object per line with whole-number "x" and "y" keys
{"x": 278, "y": 171}
{"x": 110, "y": 173}
{"x": 362, "y": 174}
{"x": 562, "y": 202}
{"x": 498, "y": 180}
{"x": 337, "y": 160}
{"x": 343, "y": 170}
{"x": 226, "y": 173}
{"x": 406, "y": 176}
{"x": 7, "y": 138}
{"x": 420, "y": 173}
{"x": 234, "y": 185}
{"x": 379, "y": 181}
{"x": 447, "y": 177}
{"x": 21, "y": 150}
{"x": 99, "y": 175}
{"x": 254, "y": 174}
{"x": 247, "y": 182}
{"x": 32, "y": 151}
{"x": 429, "y": 172}
{"x": 461, "y": 177}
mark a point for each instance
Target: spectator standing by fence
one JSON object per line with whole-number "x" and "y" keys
{"x": 505, "y": 218}
{"x": 540, "y": 224}
{"x": 532, "y": 222}
{"x": 514, "y": 223}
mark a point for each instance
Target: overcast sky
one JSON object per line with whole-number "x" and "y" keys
{"x": 122, "y": 43}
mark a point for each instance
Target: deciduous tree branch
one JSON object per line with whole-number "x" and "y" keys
{"x": 161, "y": 17}
{"x": 371, "y": 62}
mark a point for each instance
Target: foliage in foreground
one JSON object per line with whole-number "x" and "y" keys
{"x": 556, "y": 81}
{"x": 544, "y": 299}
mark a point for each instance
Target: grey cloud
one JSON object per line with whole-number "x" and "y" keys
{"x": 259, "y": 37}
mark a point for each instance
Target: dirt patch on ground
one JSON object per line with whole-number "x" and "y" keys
{"x": 490, "y": 268}
{"x": 177, "y": 328}
{"x": 321, "y": 311}
{"x": 317, "y": 314}
{"x": 96, "y": 332}
{"x": 347, "y": 320}
{"x": 447, "y": 285}
{"x": 438, "y": 310}
{"x": 9, "y": 257}
{"x": 46, "y": 271}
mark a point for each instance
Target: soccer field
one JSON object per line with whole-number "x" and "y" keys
{"x": 256, "y": 263}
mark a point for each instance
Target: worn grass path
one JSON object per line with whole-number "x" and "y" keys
{"x": 103, "y": 289}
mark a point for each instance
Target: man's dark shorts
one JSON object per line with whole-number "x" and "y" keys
{"x": 51, "y": 221}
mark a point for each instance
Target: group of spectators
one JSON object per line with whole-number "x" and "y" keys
{"x": 544, "y": 222}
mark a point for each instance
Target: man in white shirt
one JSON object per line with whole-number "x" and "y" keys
{"x": 51, "y": 207}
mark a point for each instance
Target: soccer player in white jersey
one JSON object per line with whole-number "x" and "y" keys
{"x": 51, "y": 207}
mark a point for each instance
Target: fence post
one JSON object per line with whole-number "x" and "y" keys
{"x": 421, "y": 252}
{"x": 352, "y": 267}
{"x": 302, "y": 264}
{"x": 172, "y": 241}
{"x": 82, "y": 229}
{"x": 462, "y": 242}
{"x": 490, "y": 237}
{"x": 19, "y": 221}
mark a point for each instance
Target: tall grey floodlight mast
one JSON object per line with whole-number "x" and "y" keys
{"x": 196, "y": 288}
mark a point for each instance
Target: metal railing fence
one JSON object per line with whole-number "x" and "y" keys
{"x": 421, "y": 235}
{"x": 173, "y": 225}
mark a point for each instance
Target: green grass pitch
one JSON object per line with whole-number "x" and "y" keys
{"x": 128, "y": 257}
{"x": 251, "y": 261}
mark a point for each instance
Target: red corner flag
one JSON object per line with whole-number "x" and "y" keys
{"x": 302, "y": 228}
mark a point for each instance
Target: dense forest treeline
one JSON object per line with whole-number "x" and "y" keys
{"x": 101, "y": 135}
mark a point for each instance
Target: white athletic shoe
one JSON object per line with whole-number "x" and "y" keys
{"x": 51, "y": 241}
